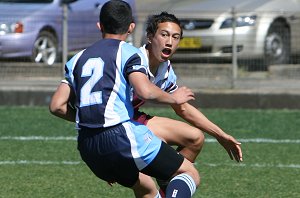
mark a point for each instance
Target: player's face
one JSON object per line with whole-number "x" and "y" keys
{"x": 165, "y": 41}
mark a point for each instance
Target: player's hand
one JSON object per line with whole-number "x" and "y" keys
{"x": 183, "y": 95}
{"x": 232, "y": 146}
{"x": 111, "y": 183}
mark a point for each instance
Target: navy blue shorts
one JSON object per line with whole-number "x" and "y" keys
{"x": 119, "y": 153}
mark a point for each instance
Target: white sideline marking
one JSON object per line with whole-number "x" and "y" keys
{"x": 43, "y": 138}
{"x": 208, "y": 140}
{"x": 261, "y": 140}
{"x": 34, "y": 162}
{"x": 26, "y": 162}
{"x": 257, "y": 165}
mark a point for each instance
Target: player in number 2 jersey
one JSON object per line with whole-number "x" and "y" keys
{"x": 98, "y": 76}
{"x": 114, "y": 147}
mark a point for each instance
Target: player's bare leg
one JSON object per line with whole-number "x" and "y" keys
{"x": 145, "y": 187}
{"x": 185, "y": 181}
{"x": 189, "y": 139}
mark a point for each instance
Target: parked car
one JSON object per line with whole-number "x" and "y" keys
{"x": 265, "y": 29}
{"x": 33, "y": 28}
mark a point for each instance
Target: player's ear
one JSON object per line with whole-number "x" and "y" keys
{"x": 100, "y": 26}
{"x": 149, "y": 38}
{"x": 131, "y": 28}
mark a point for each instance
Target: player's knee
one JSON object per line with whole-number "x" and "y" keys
{"x": 198, "y": 139}
{"x": 201, "y": 139}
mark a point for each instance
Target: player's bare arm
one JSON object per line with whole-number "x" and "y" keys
{"x": 59, "y": 105}
{"x": 148, "y": 91}
{"x": 196, "y": 118}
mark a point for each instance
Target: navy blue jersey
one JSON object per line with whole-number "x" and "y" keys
{"x": 99, "y": 77}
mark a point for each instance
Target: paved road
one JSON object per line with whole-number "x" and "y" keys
{"x": 247, "y": 94}
{"x": 210, "y": 92}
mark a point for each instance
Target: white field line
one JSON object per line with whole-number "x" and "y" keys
{"x": 42, "y": 138}
{"x": 261, "y": 140}
{"x": 256, "y": 165}
{"x": 72, "y": 163}
{"x": 28, "y": 162}
{"x": 208, "y": 140}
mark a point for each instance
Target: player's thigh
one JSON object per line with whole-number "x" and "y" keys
{"x": 174, "y": 131}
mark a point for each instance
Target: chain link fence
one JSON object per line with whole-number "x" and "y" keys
{"x": 218, "y": 48}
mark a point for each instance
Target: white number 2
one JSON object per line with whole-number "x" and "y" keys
{"x": 93, "y": 68}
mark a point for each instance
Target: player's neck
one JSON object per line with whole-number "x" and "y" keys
{"x": 153, "y": 65}
{"x": 121, "y": 37}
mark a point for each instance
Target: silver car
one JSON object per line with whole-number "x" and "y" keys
{"x": 34, "y": 28}
{"x": 265, "y": 29}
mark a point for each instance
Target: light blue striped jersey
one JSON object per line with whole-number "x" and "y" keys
{"x": 99, "y": 77}
{"x": 164, "y": 78}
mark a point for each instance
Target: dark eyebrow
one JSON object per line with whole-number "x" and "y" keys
{"x": 169, "y": 32}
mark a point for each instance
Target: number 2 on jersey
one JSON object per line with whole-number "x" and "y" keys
{"x": 93, "y": 68}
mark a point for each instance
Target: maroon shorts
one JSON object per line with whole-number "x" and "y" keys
{"x": 141, "y": 117}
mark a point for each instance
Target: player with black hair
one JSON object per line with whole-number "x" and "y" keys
{"x": 163, "y": 36}
{"x": 116, "y": 148}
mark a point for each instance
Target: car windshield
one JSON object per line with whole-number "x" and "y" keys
{"x": 27, "y": 1}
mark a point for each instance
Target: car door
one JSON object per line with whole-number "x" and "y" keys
{"x": 294, "y": 19}
{"x": 82, "y": 18}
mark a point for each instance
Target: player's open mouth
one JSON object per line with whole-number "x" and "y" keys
{"x": 166, "y": 51}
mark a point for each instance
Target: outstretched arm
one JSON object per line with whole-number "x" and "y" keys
{"x": 146, "y": 90}
{"x": 199, "y": 120}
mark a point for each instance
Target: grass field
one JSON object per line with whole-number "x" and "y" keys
{"x": 39, "y": 156}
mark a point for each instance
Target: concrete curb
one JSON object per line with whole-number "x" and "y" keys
{"x": 248, "y": 100}
{"x": 211, "y": 91}
{"x": 203, "y": 99}
{"x": 25, "y": 97}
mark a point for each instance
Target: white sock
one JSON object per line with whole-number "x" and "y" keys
{"x": 158, "y": 195}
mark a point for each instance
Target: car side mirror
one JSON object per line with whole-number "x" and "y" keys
{"x": 67, "y": 1}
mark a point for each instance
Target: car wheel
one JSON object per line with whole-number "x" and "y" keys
{"x": 45, "y": 49}
{"x": 277, "y": 45}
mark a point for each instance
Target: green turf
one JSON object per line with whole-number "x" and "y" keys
{"x": 39, "y": 168}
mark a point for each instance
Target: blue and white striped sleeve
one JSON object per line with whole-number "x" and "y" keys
{"x": 171, "y": 81}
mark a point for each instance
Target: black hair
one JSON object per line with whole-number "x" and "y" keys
{"x": 115, "y": 17}
{"x": 154, "y": 20}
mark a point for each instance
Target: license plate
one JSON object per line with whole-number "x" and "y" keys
{"x": 190, "y": 42}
